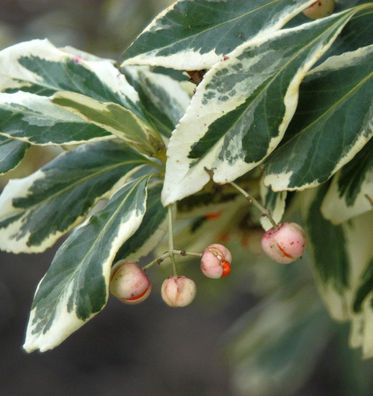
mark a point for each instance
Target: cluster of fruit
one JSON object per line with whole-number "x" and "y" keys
{"x": 284, "y": 243}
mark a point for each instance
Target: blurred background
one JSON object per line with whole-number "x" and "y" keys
{"x": 262, "y": 332}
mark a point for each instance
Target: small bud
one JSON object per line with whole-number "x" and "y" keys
{"x": 130, "y": 284}
{"x": 284, "y": 243}
{"x": 216, "y": 261}
{"x": 319, "y": 9}
{"x": 178, "y": 291}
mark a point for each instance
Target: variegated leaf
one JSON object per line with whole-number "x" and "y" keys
{"x": 333, "y": 122}
{"x": 359, "y": 245}
{"x": 330, "y": 257}
{"x": 362, "y": 322}
{"x": 275, "y": 202}
{"x": 153, "y": 228}
{"x": 351, "y": 191}
{"x": 342, "y": 263}
{"x": 243, "y": 106}
{"x": 162, "y": 98}
{"x": 11, "y": 153}
{"x": 358, "y": 33}
{"x": 35, "y": 119}
{"x": 75, "y": 288}
{"x": 39, "y": 67}
{"x": 37, "y": 210}
{"x": 196, "y": 34}
{"x": 113, "y": 118}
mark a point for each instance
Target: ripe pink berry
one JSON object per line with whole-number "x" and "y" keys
{"x": 319, "y": 9}
{"x": 284, "y": 243}
{"x": 129, "y": 283}
{"x": 216, "y": 261}
{"x": 178, "y": 291}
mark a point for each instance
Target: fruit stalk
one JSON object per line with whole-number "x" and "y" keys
{"x": 255, "y": 202}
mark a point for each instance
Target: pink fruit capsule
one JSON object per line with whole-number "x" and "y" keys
{"x": 178, "y": 291}
{"x": 284, "y": 243}
{"x": 319, "y": 9}
{"x": 129, "y": 283}
{"x": 216, "y": 261}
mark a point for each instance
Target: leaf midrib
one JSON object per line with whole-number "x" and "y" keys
{"x": 205, "y": 30}
{"x": 336, "y": 104}
{"x": 274, "y": 77}
{"x": 82, "y": 263}
{"x": 77, "y": 182}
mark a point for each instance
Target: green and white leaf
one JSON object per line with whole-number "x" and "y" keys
{"x": 11, "y": 153}
{"x": 35, "y": 119}
{"x": 359, "y": 245}
{"x": 113, "y": 118}
{"x": 344, "y": 274}
{"x": 152, "y": 231}
{"x": 37, "y": 66}
{"x": 332, "y": 124}
{"x": 39, "y": 209}
{"x": 75, "y": 288}
{"x": 362, "y": 323}
{"x": 163, "y": 100}
{"x": 275, "y": 202}
{"x": 331, "y": 264}
{"x": 83, "y": 54}
{"x": 243, "y": 106}
{"x": 196, "y": 34}
{"x": 358, "y": 33}
{"x": 351, "y": 191}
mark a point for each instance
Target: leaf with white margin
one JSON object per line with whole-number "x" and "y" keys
{"x": 330, "y": 257}
{"x": 37, "y": 210}
{"x": 113, "y": 118}
{"x": 365, "y": 290}
{"x": 35, "y": 119}
{"x": 343, "y": 270}
{"x": 358, "y": 33}
{"x": 351, "y": 191}
{"x": 332, "y": 124}
{"x": 163, "y": 100}
{"x": 342, "y": 265}
{"x": 243, "y": 106}
{"x": 362, "y": 324}
{"x": 196, "y": 34}
{"x": 75, "y": 288}
{"x": 83, "y": 54}
{"x": 11, "y": 153}
{"x": 152, "y": 231}
{"x": 359, "y": 245}
{"x": 37, "y": 66}
{"x": 275, "y": 202}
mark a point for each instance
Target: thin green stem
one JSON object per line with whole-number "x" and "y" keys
{"x": 255, "y": 202}
{"x": 158, "y": 260}
{"x": 171, "y": 240}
